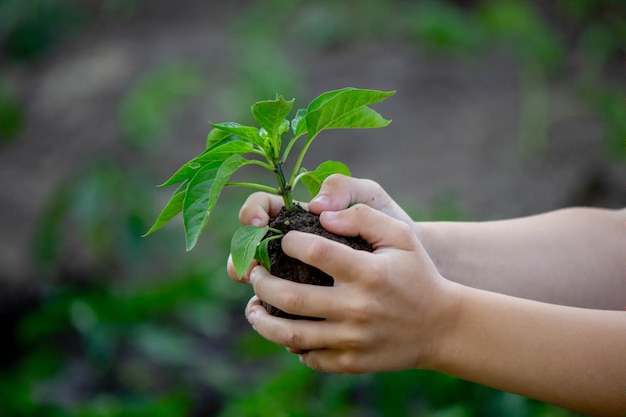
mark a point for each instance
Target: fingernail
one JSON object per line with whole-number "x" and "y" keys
{"x": 329, "y": 216}
{"x": 321, "y": 199}
{"x": 256, "y": 222}
{"x": 254, "y": 274}
{"x": 252, "y": 318}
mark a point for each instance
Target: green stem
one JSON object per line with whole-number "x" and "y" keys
{"x": 253, "y": 185}
{"x": 288, "y": 148}
{"x": 297, "y": 179}
{"x": 296, "y": 168}
{"x": 284, "y": 187}
{"x": 261, "y": 163}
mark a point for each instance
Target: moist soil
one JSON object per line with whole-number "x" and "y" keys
{"x": 295, "y": 270}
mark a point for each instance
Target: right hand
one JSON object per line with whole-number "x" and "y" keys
{"x": 338, "y": 192}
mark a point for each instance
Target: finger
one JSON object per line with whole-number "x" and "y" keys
{"x": 333, "y": 360}
{"x": 336, "y": 259}
{"x": 295, "y": 335}
{"x": 258, "y": 209}
{"x": 294, "y": 298}
{"x": 252, "y": 303}
{"x": 245, "y": 278}
{"x": 296, "y": 351}
{"x": 377, "y": 228}
{"x": 339, "y": 192}
{"x": 340, "y": 261}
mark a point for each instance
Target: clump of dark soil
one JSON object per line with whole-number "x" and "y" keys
{"x": 292, "y": 269}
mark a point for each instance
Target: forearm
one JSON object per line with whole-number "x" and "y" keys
{"x": 572, "y": 257}
{"x": 568, "y": 356}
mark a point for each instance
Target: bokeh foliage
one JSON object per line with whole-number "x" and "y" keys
{"x": 118, "y": 325}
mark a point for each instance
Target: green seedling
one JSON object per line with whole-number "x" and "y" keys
{"x": 202, "y": 179}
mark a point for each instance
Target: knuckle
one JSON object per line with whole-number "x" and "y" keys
{"x": 404, "y": 229}
{"x": 312, "y": 360}
{"x": 361, "y": 212}
{"x": 348, "y": 363}
{"x": 357, "y": 309}
{"x": 376, "y": 191}
{"x": 373, "y": 277}
{"x": 373, "y": 185}
{"x": 292, "y": 301}
{"x": 316, "y": 250}
{"x": 291, "y": 339}
{"x": 333, "y": 179}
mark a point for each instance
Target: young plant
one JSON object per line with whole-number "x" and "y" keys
{"x": 202, "y": 179}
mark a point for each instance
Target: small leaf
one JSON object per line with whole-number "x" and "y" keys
{"x": 204, "y": 190}
{"x": 243, "y": 246}
{"x": 271, "y": 114}
{"x": 172, "y": 208}
{"x": 218, "y": 153}
{"x": 262, "y": 255}
{"x": 345, "y": 108}
{"x": 298, "y": 124}
{"x": 313, "y": 180}
{"x": 248, "y": 133}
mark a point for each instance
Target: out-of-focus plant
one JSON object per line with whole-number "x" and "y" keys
{"x": 147, "y": 110}
{"x": 443, "y": 27}
{"x": 96, "y": 216}
{"x": 518, "y": 27}
{"x": 28, "y": 29}
{"x": 11, "y": 114}
{"x": 600, "y": 42}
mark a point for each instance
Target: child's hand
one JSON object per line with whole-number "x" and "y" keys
{"x": 337, "y": 193}
{"x": 388, "y": 309}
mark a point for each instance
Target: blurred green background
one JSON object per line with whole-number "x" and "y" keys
{"x": 504, "y": 108}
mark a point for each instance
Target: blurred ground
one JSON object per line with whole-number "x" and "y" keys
{"x": 454, "y": 136}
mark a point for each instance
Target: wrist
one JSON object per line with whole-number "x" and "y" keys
{"x": 443, "y": 335}
{"x": 432, "y": 237}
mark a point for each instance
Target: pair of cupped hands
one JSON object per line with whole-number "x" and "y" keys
{"x": 389, "y": 309}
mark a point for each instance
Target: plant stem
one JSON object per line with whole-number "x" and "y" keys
{"x": 253, "y": 185}
{"x": 284, "y": 187}
{"x": 300, "y": 158}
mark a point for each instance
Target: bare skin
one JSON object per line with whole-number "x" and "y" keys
{"x": 498, "y": 303}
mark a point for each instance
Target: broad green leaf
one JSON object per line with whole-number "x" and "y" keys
{"x": 271, "y": 114}
{"x": 248, "y": 133}
{"x": 172, "y": 208}
{"x": 361, "y": 117}
{"x": 324, "y": 97}
{"x": 243, "y": 246}
{"x": 204, "y": 190}
{"x": 346, "y": 108}
{"x": 313, "y": 180}
{"x": 218, "y": 153}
